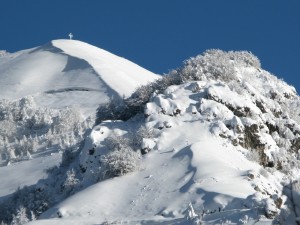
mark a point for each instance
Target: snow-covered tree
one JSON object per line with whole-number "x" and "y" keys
{"x": 190, "y": 215}
{"x": 70, "y": 182}
{"x": 25, "y": 128}
{"x": 119, "y": 162}
{"x": 21, "y": 217}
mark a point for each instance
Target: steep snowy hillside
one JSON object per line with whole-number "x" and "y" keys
{"x": 220, "y": 141}
{"x": 67, "y": 73}
{"x": 213, "y": 142}
{"x": 48, "y": 100}
{"x": 46, "y": 93}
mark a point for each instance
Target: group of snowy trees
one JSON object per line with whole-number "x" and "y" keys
{"x": 25, "y": 204}
{"x": 211, "y": 65}
{"x": 26, "y": 128}
{"x": 21, "y": 217}
{"x": 216, "y": 64}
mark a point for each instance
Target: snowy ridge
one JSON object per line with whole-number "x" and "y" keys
{"x": 69, "y": 64}
{"x": 118, "y": 73}
{"x": 217, "y": 142}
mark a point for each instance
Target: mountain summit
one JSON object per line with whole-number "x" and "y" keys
{"x": 69, "y": 72}
{"x": 216, "y": 141}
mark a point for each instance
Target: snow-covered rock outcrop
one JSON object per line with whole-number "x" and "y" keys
{"x": 222, "y": 140}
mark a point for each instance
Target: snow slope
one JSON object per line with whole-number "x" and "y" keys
{"x": 68, "y": 72}
{"x": 189, "y": 162}
{"x": 169, "y": 180}
{"x": 60, "y": 74}
{"x": 224, "y": 140}
{"x": 26, "y": 173}
{"x": 118, "y": 73}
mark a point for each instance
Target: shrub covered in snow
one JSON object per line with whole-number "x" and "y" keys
{"x": 117, "y": 109}
{"x": 216, "y": 64}
{"x": 116, "y": 151}
{"x": 70, "y": 183}
{"x": 119, "y": 162}
{"x": 25, "y": 204}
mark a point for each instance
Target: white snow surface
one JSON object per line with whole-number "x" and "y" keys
{"x": 189, "y": 163}
{"x": 118, "y": 73}
{"x": 65, "y": 73}
{"x": 198, "y": 157}
{"x": 26, "y": 173}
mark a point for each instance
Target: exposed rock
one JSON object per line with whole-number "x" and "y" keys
{"x": 272, "y": 128}
{"x": 252, "y": 141}
{"x": 278, "y": 202}
{"x": 295, "y": 144}
{"x": 251, "y": 176}
{"x": 261, "y": 106}
{"x": 177, "y": 112}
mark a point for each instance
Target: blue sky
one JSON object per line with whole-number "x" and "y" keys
{"x": 160, "y": 34}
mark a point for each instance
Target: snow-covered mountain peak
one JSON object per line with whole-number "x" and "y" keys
{"x": 67, "y": 72}
{"x": 214, "y": 142}
{"x": 118, "y": 73}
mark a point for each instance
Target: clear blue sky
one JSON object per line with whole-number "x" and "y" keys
{"x": 160, "y": 34}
